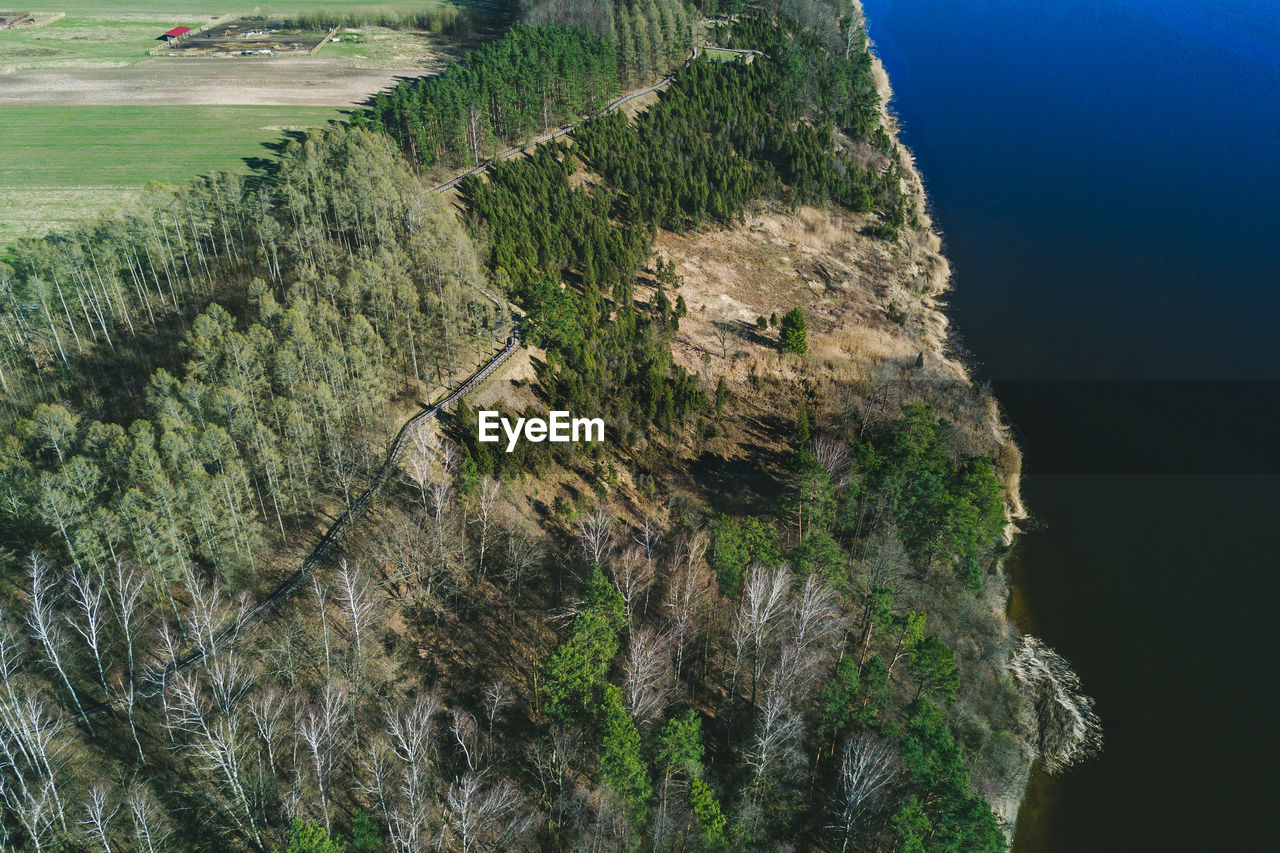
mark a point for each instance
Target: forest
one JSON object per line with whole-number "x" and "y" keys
{"x": 434, "y": 17}
{"x": 531, "y": 80}
{"x": 549, "y": 649}
{"x": 651, "y": 36}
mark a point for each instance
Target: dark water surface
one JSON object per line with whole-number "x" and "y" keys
{"x": 1106, "y": 176}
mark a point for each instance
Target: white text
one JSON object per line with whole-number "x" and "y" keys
{"x": 557, "y": 427}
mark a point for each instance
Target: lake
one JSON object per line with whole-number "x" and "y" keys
{"x": 1106, "y": 177}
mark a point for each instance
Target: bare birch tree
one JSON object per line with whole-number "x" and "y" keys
{"x": 39, "y": 814}
{"x": 869, "y": 770}
{"x": 764, "y": 599}
{"x": 266, "y": 709}
{"x": 377, "y": 781}
{"x": 88, "y": 593}
{"x": 214, "y": 736}
{"x": 46, "y": 628}
{"x": 403, "y": 549}
{"x": 553, "y": 760}
{"x": 595, "y": 535}
{"x": 229, "y": 678}
{"x": 688, "y": 593}
{"x": 833, "y": 455}
{"x": 322, "y": 727}
{"x": 485, "y": 816}
{"x": 525, "y": 551}
{"x": 486, "y": 501}
{"x": 633, "y": 576}
{"x": 648, "y": 677}
{"x": 128, "y": 599}
{"x": 771, "y": 754}
{"x": 219, "y": 750}
{"x": 419, "y": 463}
{"x": 816, "y": 624}
{"x": 430, "y": 467}
{"x": 816, "y": 617}
{"x": 125, "y": 694}
{"x": 648, "y": 539}
{"x": 399, "y": 765}
{"x": 100, "y": 808}
{"x": 209, "y": 613}
{"x": 360, "y": 604}
{"x": 35, "y": 745}
{"x": 496, "y": 696}
{"x": 150, "y": 827}
{"x": 465, "y": 731}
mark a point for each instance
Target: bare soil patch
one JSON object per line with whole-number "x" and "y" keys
{"x": 249, "y": 37}
{"x": 511, "y": 386}
{"x": 263, "y": 81}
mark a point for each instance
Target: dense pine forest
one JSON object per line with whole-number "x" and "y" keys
{"x": 550, "y": 649}
{"x": 531, "y": 80}
{"x": 651, "y": 36}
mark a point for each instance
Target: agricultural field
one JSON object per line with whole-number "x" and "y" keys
{"x": 163, "y": 8}
{"x": 93, "y": 105}
{"x": 109, "y": 40}
{"x": 64, "y": 163}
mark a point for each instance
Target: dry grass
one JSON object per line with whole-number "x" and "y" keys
{"x": 818, "y": 260}
{"x": 635, "y": 106}
{"x": 34, "y": 210}
{"x": 872, "y": 309}
{"x": 511, "y": 385}
{"x": 380, "y": 47}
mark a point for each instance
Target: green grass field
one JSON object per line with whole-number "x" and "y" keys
{"x": 63, "y": 163}
{"x": 722, "y": 55}
{"x": 96, "y": 34}
{"x": 85, "y": 41}
{"x": 160, "y": 8}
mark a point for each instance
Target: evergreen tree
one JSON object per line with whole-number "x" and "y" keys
{"x": 622, "y": 765}
{"x": 794, "y": 335}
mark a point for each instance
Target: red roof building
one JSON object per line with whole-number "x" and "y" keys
{"x": 176, "y": 33}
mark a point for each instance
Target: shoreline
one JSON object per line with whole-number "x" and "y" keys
{"x": 934, "y": 282}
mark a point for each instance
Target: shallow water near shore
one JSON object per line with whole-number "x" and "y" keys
{"x": 1105, "y": 176}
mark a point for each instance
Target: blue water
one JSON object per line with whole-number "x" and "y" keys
{"x": 1106, "y": 176}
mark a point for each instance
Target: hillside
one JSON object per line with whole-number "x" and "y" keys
{"x": 767, "y": 612}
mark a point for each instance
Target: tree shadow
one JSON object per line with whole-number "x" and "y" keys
{"x": 264, "y": 171}
{"x": 752, "y": 333}
{"x": 739, "y": 330}
{"x": 734, "y": 485}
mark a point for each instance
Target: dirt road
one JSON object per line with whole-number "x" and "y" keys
{"x": 279, "y": 81}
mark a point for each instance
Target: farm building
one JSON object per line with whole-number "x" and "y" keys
{"x": 175, "y": 34}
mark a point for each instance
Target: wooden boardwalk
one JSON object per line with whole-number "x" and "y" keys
{"x": 555, "y": 134}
